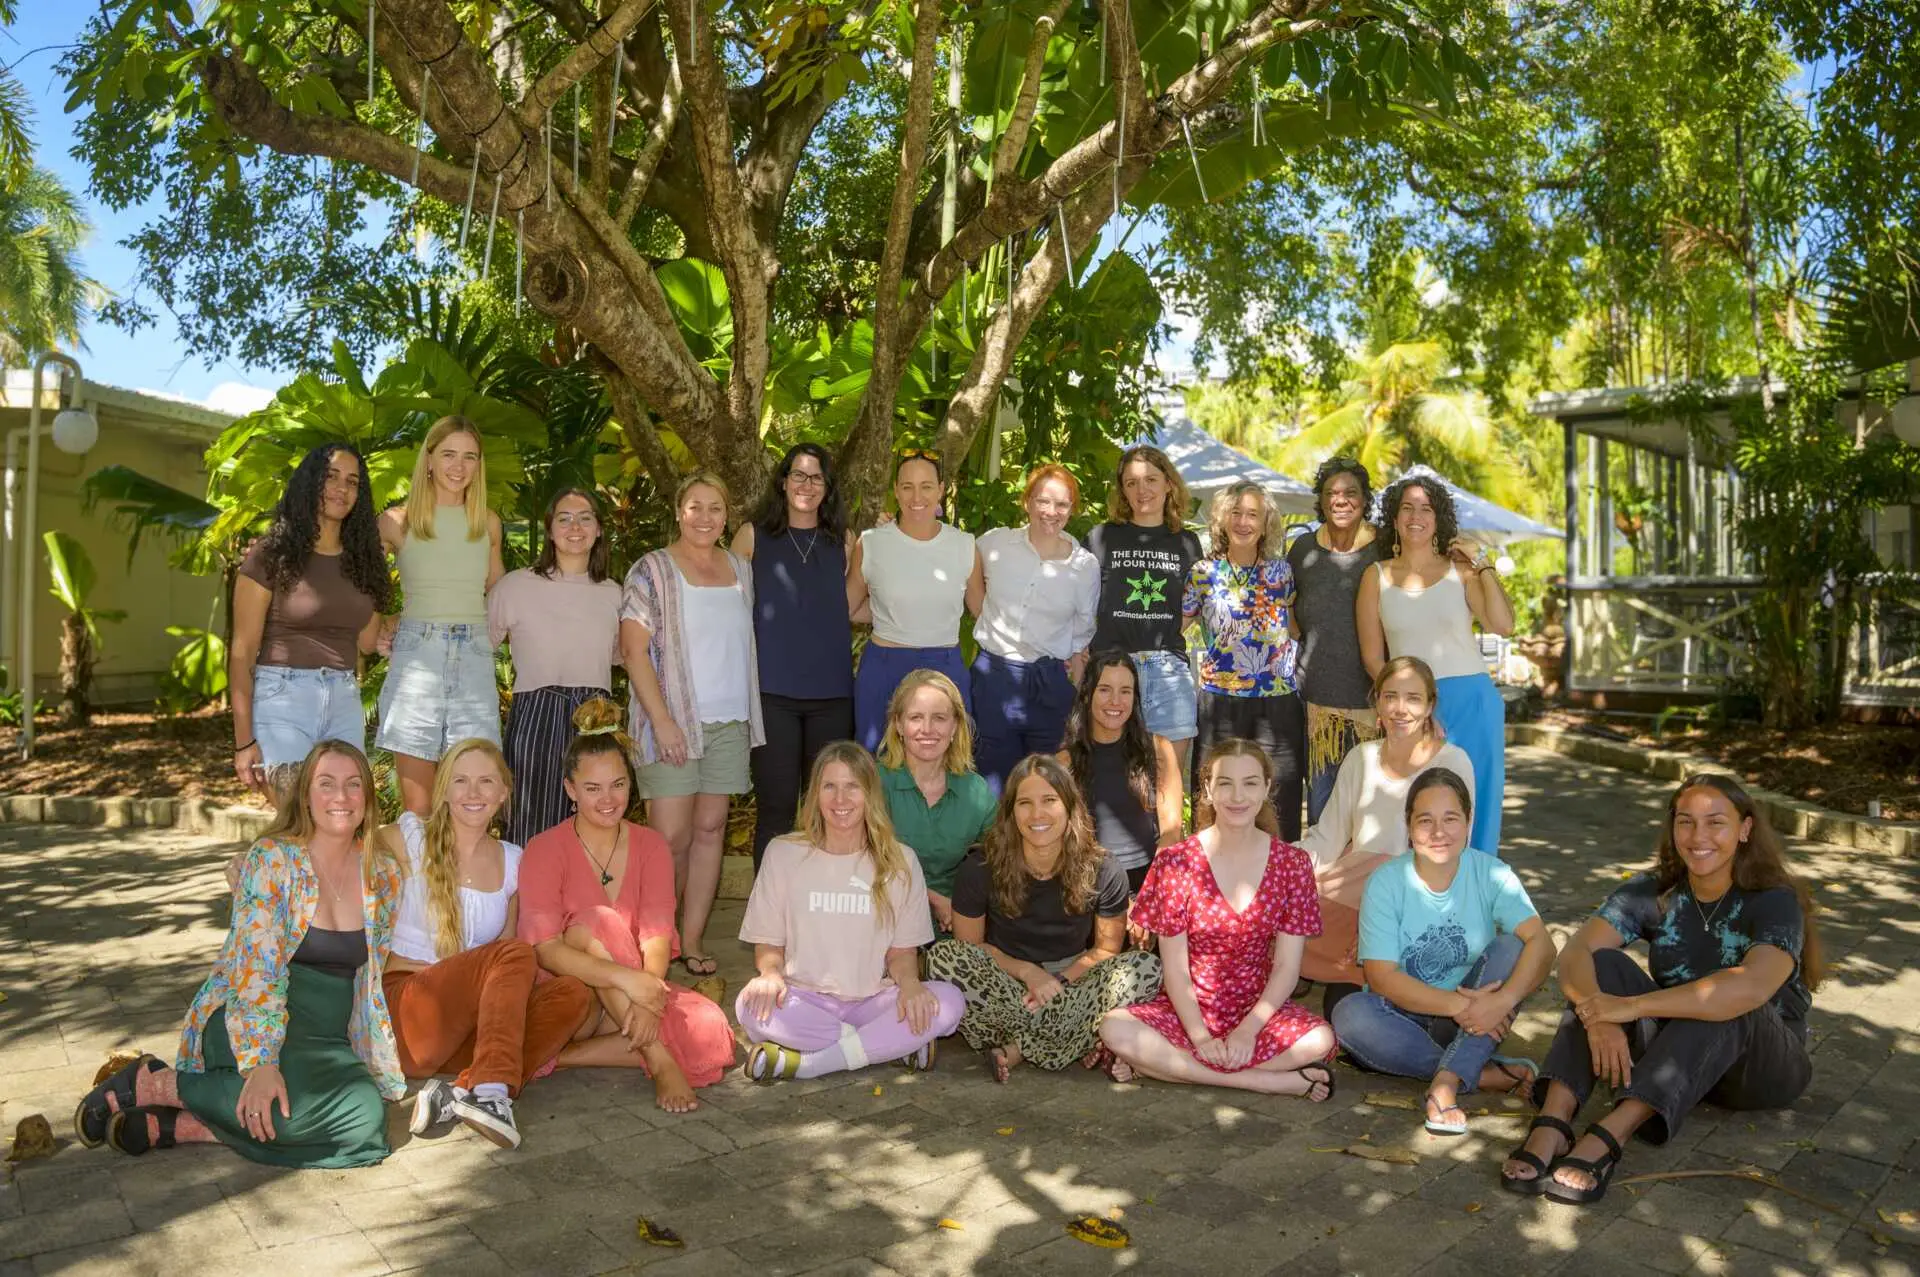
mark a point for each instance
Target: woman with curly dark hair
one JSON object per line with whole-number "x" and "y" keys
{"x": 306, "y": 604}
{"x": 1039, "y": 929}
{"x": 1422, "y": 599}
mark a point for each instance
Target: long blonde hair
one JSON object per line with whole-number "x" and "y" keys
{"x": 1266, "y": 820}
{"x": 893, "y": 747}
{"x": 1179, "y": 496}
{"x": 294, "y": 821}
{"x": 439, "y": 864}
{"x": 420, "y": 502}
{"x": 1080, "y": 854}
{"x": 883, "y": 845}
{"x": 1269, "y": 546}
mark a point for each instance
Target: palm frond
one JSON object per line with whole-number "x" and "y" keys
{"x": 142, "y": 505}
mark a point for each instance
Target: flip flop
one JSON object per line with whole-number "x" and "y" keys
{"x": 1317, "y": 1075}
{"x": 1524, "y": 1072}
{"x": 1437, "y": 1127}
{"x": 698, "y": 964}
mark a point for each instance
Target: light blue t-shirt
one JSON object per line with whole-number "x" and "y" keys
{"x": 1437, "y": 937}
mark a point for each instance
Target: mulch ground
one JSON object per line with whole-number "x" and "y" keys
{"x": 1842, "y": 766}
{"x": 127, "y": 755}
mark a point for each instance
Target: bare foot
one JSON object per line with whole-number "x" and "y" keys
{"x": 1502, "y": 1078}
{"x": 1004, "y": 1060}
{"x": 670, "y": 1090}
{"x": 1119, "y": 1070}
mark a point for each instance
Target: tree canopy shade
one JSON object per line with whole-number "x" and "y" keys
{"x": 691, "y": 192}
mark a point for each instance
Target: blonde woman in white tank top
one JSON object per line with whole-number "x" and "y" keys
{"x": 1423, "y": 600}
{"x": 440, "y": 686}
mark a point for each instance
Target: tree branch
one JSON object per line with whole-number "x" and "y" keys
{"x": 1013, "y": 142}
{"x": 637, "y": 425}
{"x": 640, "y": 177}
{"x": 583, "y": 58}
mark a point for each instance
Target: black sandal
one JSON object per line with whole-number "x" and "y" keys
{"x": 1325, "y": 1078}
{"x": 93, "y": 1114}
{"x": 1601, "y": 1169}
{"x": 1543, "y": 1172}
{"x": 128, "y": 1133}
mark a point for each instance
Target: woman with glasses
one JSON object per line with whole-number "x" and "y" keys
{"x": 797, "y": 544}
{"x": 561, "y": 621}
{"x": 914, "y": 577}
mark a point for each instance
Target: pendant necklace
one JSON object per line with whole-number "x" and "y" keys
{"x": 812, "y": 545}
{"x": 1706, "y": 919}
{"x": 606, "y": 878}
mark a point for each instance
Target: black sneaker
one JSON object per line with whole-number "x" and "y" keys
{"x": 432, "y": 1106}
{"x": 491, "y": 1117}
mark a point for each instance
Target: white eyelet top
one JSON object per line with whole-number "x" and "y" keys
{"x": 483, "y": 914}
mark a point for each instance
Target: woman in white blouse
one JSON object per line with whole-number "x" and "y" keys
{"x": 916, "y": 575}
{"x": 1034, "y": 625}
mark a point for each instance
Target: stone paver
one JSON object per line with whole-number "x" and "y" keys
{"x": 108, "y": 932}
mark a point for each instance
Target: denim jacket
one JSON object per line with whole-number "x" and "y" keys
{"x": 272, "y": 908}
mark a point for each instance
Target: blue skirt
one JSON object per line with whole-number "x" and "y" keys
{"x": 882, "y": 668}
{"x": 1474, "y": 717}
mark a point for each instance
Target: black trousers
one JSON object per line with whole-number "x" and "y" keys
{"x": 1278, "y": 725}
{"x": 796, "y": 731}
{"x": 1758, "y": 1061}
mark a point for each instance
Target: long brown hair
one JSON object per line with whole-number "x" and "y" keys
{"x": 597, "y": 556}
{"x": 1267, "y": 820}
{"x": 1759, "y": 863}
{"x": 1136, "y": 742}
{"x": 1179, "y": 496}
{"x": 439, "y": 864}
{"x": 883, "y": 845}
{"x": 1080, "y": 855}
{"x": 294, "y": 821}
{"x": 1399, "y": 665}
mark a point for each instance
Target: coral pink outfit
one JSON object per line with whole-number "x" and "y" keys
{"x": 560, "y": 889}
{"x": 1229, "y": 954}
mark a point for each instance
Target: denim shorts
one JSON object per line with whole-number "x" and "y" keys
{"x": 440, "y": 690}
{"x": 1167, "y": 699}
{"x": 296, "y": 709}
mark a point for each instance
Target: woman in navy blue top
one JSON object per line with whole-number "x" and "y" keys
{"x": 797, "y": 543}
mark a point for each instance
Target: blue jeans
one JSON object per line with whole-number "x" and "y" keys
{"x": 1386, "y": 1039}
{"x": 1168, "y": 702}
{"x": 296, "y": 709}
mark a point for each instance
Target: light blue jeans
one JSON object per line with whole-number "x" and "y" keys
{"x": 295, "y": 709}
{"x": 1386, "y": 1039}
{"x": 1168, "y": 702}
{"x": 440, "y": 690}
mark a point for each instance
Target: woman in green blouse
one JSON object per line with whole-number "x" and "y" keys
{"x": 939, "y": 804}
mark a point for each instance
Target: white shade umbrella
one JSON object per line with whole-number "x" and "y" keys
{"x": 1207, "y": 466}
{"x": 1481, "y": 519}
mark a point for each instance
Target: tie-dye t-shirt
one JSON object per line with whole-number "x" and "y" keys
{"x": 1437, "y": 936}
{"x": 1688, "y": 940}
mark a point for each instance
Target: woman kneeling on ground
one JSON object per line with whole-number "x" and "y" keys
{"x": 837, "y": 917}
{"x": 596, "y": 903}
{"x": 1233, "y": 907}
{"x": 1039, "y": 929}
{"x": 288, "y": 1053}
{"x": 1451, "y": 946}
{"x": 463, "y": 989}
{"x": 1734, "y": 956}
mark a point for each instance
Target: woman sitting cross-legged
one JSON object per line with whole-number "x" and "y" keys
{"x": 1039, "y": 929}
{"x": 1451, "y": 945}
{"x": 463, "y": 990}
{"x": 288, "y": 1055}
{"x": 596, "y": 903}
{"x": 1723, "y": 1016}
{"x": 1233, "y": 907}
{"x": 837, "y": 917}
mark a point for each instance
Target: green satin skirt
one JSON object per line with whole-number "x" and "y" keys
{"x": 338, "y": 1117}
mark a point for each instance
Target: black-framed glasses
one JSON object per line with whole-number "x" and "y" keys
{"x": 806, "y": 479}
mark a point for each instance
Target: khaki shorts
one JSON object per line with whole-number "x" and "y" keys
{"x": 720, "y": 769}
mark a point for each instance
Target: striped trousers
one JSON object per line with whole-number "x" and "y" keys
{"x": 539, "y": 728}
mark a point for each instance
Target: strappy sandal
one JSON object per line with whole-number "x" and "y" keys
{"x": 1600, "y": 1168}
{"x": 93, "y": 1114}
{"x": 1542, "y": 1171}
{"x": 128, "y": 1132}
{"x": 1325, "y": 1078}
{"x": 775, "y": 1063}
{"x": 921, "y": 1061}
{"x": 1433, "y": 1124}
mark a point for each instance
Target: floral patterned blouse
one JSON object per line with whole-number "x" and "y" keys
{"x": 272, "y": 908}
{"x": 1242, "y": 614}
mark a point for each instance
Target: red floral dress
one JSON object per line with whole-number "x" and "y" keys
{"x": 1230, "y": 955}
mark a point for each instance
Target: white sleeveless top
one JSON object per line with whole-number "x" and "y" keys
{"x": 1433, "y": 624}
{"x": 918, "y": 588}
{"x": 718, "y": 623}
{"x": 483, "y": 914}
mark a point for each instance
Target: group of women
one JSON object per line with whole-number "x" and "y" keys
{"x": 998, "y": 848}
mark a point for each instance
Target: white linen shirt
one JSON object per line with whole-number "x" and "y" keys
{"x": 1035, "y": 607}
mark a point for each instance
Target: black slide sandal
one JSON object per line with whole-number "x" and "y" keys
{"x": 1600, "y": 1168}
{"x": 93, "y": 1114}
{"x": 1543, "y": 1173}
{"x": 128, "y": 1131}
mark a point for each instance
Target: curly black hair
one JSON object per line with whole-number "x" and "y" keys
{"x": 1446, "y": 526}
{"x": 771, "y": 518}
{"x": 1325, "y": 474}
{"x": 289, "y": 542}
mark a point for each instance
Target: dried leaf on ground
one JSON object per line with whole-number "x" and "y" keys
{"x": 1367, "y": 1152}
{"x": 32, "y": 1138}
{"x": 1005, "y": 1130}
{"x": 115, "y": 1062}
{"x": 952, "y": 1224}
{"x": 1750, "y": 1175}
{"x": 1904, "y": 1218}
{"x": 1095, "y": 1231}
{"x": 712, "y": 987}
{"x": 658, "y": 1234}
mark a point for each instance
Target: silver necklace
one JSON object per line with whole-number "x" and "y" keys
{"x": 1706, "y": 919}
{"x": 812, "y": 545}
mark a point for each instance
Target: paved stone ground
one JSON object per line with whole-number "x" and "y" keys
{"x": 107, "y": 934}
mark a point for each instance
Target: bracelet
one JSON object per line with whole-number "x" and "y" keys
{"x": 249, "y": 745}
{"x": 1487, "y": 567}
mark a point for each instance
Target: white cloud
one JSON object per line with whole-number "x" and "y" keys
{"x": 238, "y": 398}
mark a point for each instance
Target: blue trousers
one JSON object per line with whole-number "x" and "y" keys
{"x": 882, "y": 668}
{"x": 1019, "y": 708}
{"x": 1386, "y": 1039}
{"x": 1474, "y": 717}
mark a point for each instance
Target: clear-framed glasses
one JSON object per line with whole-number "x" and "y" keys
{"x": 585, "y": 519}
{"x": 806, "y": 479}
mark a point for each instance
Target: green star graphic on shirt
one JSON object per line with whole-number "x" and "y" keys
{"x": 1145, "y": 589}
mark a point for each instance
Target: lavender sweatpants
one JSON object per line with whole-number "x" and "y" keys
{"x": 869, "y": 1029}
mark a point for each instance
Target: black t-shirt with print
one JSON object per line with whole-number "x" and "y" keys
{"x": 1143, "y": 579}
{"x": 1684, "y": 946}
{"x": 1044, "y": 932}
